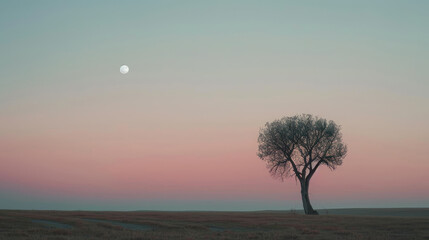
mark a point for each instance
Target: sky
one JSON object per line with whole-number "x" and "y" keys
{"x": 179, "y": 131}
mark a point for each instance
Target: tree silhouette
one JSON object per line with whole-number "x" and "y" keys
{"x": 298, "y": 146}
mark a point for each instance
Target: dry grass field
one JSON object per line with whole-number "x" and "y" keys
{"x": 79, "y": 225}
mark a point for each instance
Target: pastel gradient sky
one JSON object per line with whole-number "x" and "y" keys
{"x": 179, "y": 131}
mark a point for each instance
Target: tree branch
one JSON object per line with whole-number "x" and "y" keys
{"x": 315, "y": 168}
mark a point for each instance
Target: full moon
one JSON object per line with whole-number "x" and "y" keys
{"x": 124, "y": 69}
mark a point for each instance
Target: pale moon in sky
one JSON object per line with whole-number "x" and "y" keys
{"x": 124, "y": 69}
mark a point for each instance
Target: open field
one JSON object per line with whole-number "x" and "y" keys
{"x": 76, "y": 225}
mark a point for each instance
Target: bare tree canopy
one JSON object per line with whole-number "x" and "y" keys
{"x": 297, "y": 146}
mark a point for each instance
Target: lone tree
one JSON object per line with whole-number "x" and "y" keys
{"x": 298, "y": 146}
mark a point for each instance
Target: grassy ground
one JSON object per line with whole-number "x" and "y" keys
{"x": 74, "y": 225}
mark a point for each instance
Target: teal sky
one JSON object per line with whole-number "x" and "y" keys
{"x": 204, "y": 77}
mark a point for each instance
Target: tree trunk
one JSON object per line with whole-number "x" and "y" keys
{"x": 308, "y": 209}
